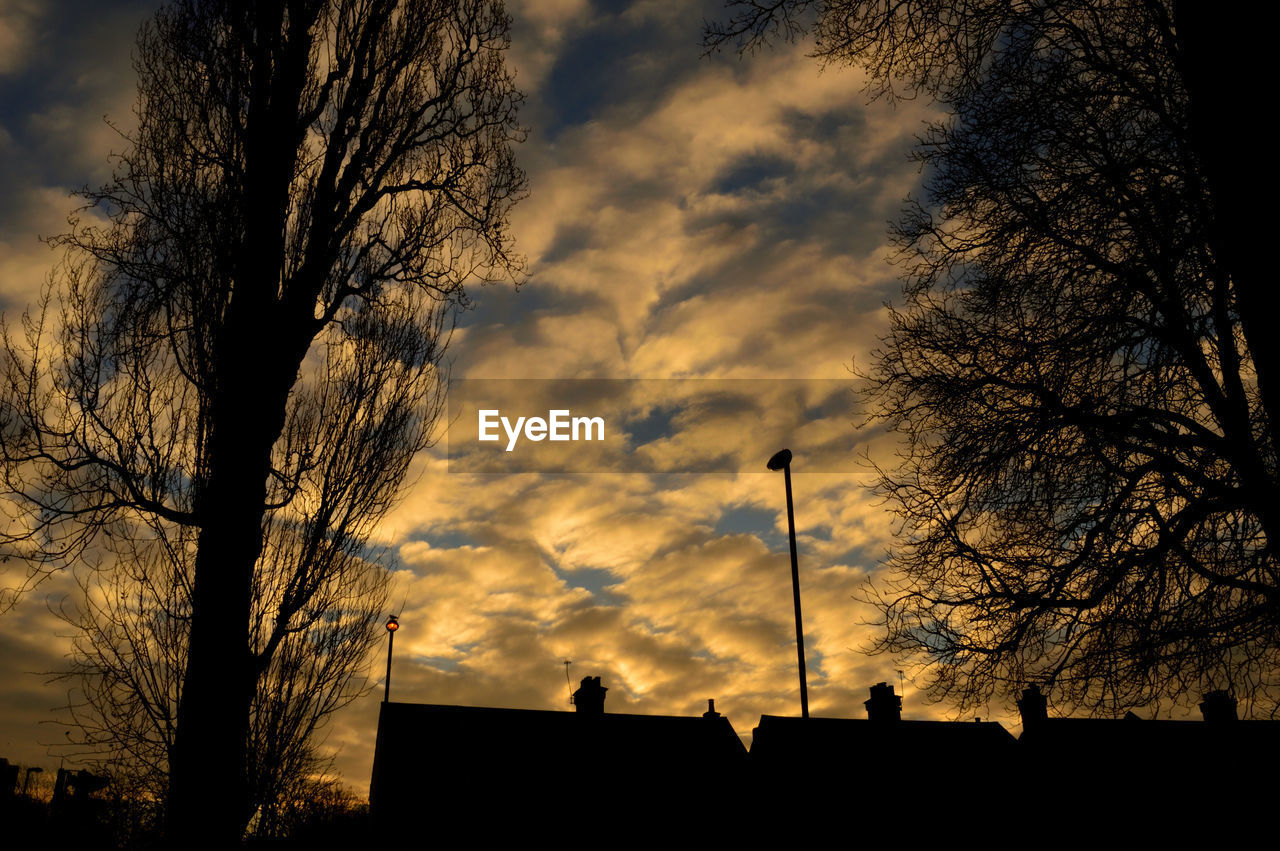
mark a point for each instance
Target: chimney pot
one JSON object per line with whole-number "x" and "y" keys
{"x": 1219, "y": 706}
{"x": 711, "y": 709}
{"x": 589, "y": 698}
{"x": 1033, "y": 707}
{"x": 883, "y": 705}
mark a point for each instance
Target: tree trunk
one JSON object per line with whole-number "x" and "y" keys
{"x": 208, "y": 791}
{"x": 1222, "y": 63}
{"x": 257, "y": 355}
{"x": 207, "y": 784}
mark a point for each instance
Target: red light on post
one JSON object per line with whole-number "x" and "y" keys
{"x": 393, "y": 623}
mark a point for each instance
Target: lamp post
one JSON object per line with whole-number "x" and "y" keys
{"x": 393, "y": 623}
{"x": 782, "y": 461}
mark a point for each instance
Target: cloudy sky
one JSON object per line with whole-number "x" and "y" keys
{"x": 689, "y": 217}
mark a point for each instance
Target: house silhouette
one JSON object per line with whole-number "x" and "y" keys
{"x": 514, "y": 770}
{"x": 880, "y": 766}
{"x": 1215, "y": 773}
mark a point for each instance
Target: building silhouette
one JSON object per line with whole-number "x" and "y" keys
{"x": 515, "y": 772}
{"x": 1215, "y": 773}
{"x": 538, "y": 769}
{"x": 881, "y": 765}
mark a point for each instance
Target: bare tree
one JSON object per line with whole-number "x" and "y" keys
{"x": 234, "y": 367}
{"x": 131, "y": 642}
{"x": 1081, "y": 371}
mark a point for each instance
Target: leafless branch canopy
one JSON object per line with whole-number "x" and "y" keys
{"x": 1088, "y": 485}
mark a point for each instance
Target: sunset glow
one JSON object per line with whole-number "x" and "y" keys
{"x": 688, "y": 217}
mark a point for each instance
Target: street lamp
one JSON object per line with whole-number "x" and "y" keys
{"x": 782, "y": 461}
{"x": 393, "y": 623}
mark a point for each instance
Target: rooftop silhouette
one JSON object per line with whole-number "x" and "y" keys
{"x": 607, "y": 771}
{"x": 591, "y": 765}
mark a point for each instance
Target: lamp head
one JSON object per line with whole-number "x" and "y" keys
{"x": 780, "y": 460}
{"x": 393, "y": 623}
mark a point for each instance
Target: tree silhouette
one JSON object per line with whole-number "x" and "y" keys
{"x": 130, "y": 654}
{"x": 1081, "y": 371}
{"x": 240, "y": 356}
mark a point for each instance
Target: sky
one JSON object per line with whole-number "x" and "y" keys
{"x": 688, "y": 217}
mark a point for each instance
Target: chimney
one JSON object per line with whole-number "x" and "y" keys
{"x": 1033, "y": 707}
{"x": 884, "y": 705}
{"x": 1218, "y": 706}
{"x": 589, "y": 698}
{"x": 711, "y": 709}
